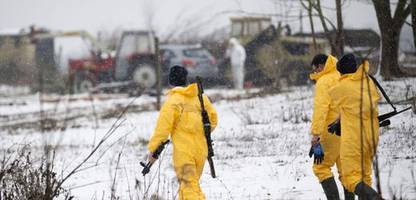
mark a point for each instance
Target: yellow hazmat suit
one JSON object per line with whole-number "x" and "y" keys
{"x": 357, "y": 103}
{"x": 324, "y": 113}
{"x": 180, "y": 118}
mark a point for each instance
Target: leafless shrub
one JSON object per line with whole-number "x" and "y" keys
{"x": 23, "y": 178}
{"x": 404, "y": 140}
{"x": 414, "y": 181}
{"x": 169, "y": 188}
{"x": 295, "y": 114}
{"x": 114, "y": 112}
{"x": 395, "y": 192}
{"x": 245, "y": 117}
{"x": 141, "y": 142}
{"x": 250, "y": 116}
{"x": 408, "y": 91}
{"x": 114, "y": 195}
{"x": 401, "y": 191}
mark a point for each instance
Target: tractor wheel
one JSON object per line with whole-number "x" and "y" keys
{"x": 82, "y": 83}
{"x": 145, "y": 75}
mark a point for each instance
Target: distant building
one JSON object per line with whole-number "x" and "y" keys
{"x": 17, "y": 57}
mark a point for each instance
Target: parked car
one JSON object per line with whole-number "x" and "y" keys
{"x": 196, "y": 59}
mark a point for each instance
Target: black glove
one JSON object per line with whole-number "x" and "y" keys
{"x": 335, "y": 127}
{"x": 318, "y": 153}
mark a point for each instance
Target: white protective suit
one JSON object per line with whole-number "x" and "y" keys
{"x": 237, "y": 55}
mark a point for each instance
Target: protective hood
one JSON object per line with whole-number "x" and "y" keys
{"x": 357, "y": 75}
{"x": 330, "y": 67}
{"x": 234, "y": 41}
{"x": 190, "y": 90}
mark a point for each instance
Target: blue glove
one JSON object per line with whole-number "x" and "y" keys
{"x": 318, "y": 153}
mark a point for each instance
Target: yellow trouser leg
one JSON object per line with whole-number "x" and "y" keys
{"x": 322, "y": 171}
{"x": 339, "y": 168}
{"x": 351, "y": 169}
{"x": 188, "y": 171}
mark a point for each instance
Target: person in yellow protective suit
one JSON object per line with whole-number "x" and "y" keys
{"x": 326, "y": 76}
{"x": 180, "y": 118}
{"x": 357, "y": 98}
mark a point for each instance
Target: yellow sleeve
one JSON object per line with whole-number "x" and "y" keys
{"x": 212, "y": 113}
{"x": 321, "y": 104}
{"x": 169, "y": 113}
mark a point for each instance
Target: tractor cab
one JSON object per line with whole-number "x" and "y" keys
{"x": 247, "y": 28}
{"x": 132, "y": 65}
{"x": 135, "y": 58}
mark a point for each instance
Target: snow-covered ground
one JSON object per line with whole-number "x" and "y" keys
{"x": 261, "y": 145}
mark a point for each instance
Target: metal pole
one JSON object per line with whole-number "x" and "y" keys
{"x": 158, "y": 74}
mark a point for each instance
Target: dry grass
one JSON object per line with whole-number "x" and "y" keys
{"x": 23, "y": 177}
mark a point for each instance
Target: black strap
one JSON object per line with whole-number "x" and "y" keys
{"x": 382, "y": 91}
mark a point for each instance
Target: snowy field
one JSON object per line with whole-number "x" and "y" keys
{"x": 261, "y": 144}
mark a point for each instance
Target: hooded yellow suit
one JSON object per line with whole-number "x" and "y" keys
{"x": 357, "y": 104}
{"x": 324, "y": 113}
{"x": 180, "y": 118}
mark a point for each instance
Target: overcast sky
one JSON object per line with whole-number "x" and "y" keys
{"x": 96, "y": 15}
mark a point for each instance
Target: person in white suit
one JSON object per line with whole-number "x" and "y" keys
{"x": 237, "y": 55}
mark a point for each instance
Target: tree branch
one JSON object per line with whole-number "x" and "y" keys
{"x": 118, "y": 122}
{"x": 383, "y": 13}
{"x": 401, "y": 15}
{"x": 400, "y": 9}
{"x": 413, "y": 25}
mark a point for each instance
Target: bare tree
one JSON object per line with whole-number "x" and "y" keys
{"x": 390, "y": 27}
{"x": 309, "y": 9}
{"x": 149, "y": 14}
{"x": 413, "y": 11}
{"x": 337, "y": 42}
{"x": 340, "y": 29}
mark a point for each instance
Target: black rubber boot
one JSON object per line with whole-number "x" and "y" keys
{"x": 365, "y": 192}
{"x": 330, "y": 189}
{"x": 348, "y": 195}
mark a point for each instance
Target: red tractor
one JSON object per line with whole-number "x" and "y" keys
{"x": 133, "y": 66}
